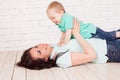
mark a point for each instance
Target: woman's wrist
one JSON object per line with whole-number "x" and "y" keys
{"x": 77, "y": 35}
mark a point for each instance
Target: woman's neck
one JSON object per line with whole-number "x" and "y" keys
{"x": 54, "y": 56}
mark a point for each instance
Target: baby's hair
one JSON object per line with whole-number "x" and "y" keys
{"x": 56, "y": 5}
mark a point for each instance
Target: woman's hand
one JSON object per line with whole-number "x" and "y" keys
{"x": 76, "y": 27}
{"x": 88, "y": 53}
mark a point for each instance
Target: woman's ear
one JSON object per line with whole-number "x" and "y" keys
{"x": 46, "y": 59}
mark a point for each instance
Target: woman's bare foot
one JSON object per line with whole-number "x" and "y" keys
{"x": 118, "y": 34}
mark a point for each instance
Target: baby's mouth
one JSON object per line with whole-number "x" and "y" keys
{"x": 56, "y": 22}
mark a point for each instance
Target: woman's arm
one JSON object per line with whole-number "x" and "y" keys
{"x": 61, "y": 42}
{"x": 88, "y": 53}
{"x": 67, "y": 36}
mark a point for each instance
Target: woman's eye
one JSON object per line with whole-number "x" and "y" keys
{"x": 36, "y": 46}
{"x": 38, "y": 52}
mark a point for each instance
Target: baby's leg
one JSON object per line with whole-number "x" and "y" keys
{"x": 109, "y": 36}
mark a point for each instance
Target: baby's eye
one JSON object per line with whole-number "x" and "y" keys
{"x": 52, "y": 18}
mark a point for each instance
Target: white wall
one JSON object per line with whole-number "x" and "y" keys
{"x": 24, "y": 23}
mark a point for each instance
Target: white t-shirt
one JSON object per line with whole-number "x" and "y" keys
{"x": 73, "y": 46}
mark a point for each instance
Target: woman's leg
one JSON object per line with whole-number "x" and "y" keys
{"x": 113, "y": 50}
{"x": 109, "y": 36}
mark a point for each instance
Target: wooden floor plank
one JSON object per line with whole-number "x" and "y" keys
{"x": 73, "y": 74}
{"x": 59, "y": 74}
{"x": 19, "y": 72}
{"x": 32, "y": 74}
{"x": 86, "y": 73}
{"x": 3, "y": 56}
{"x": 7, "y": 70}
{"x": 46, "y": 74}
{"x": 114, "y": 68}
{"x": 102, "y": 72}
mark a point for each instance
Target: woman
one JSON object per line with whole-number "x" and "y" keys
{"x": 75, "y": 52}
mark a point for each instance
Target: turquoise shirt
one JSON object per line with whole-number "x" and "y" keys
{"x": 73, "y": 46}
{"x": 86, "y": 29}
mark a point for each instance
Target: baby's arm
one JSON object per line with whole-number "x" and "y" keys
{"x": 65, "y": 37}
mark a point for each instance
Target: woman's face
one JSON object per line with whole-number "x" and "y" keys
{"x": 41, "y": 51}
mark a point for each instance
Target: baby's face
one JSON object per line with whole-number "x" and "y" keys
{"x": 54, "y": 16}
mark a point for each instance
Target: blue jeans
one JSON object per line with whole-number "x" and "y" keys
{"x": 113, "y": 44}
{"x": 108, "y": 36}
{"x": 113, "y": 50}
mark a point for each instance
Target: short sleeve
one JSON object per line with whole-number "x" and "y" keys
{"x": 69, "y": 22}
{"x": 64, "y": 60}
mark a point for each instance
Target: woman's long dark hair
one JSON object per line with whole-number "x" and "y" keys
{"x": 28, "y": 62}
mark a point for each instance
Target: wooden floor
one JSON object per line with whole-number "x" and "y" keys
{"x": 9, "y": 71}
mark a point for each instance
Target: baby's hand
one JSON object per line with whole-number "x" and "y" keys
{"x": 76, "y": 27}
